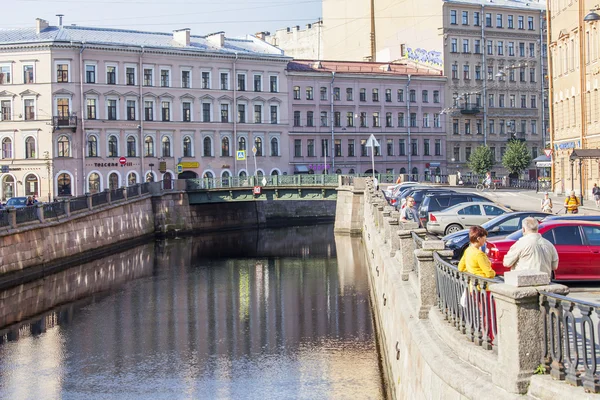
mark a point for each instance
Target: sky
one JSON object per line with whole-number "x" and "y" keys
{"x": 234, "y": 17}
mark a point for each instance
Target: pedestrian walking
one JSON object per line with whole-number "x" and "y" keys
{"x": 459, "y": 178}
{"x": 532, "y": 251}
{"x": 572, "y": 203}
{"x": 596, "y": 193}
{"x": 399, "y": 180}
{"x": 546, "y": 203}
{"x": 409, "y": 212}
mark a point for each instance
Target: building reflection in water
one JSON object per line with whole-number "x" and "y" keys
{"x": 261, "y": 314}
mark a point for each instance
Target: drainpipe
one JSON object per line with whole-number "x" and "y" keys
{"x": 542, "y": 80}
{"x": 409, "y": 144}
{"x": 235, "y": 111}
{"x": 332, "y": 131}
{"x": 82, "y": 108}
{"x": 483, "y": 51}
{"x": 141, "y": 126}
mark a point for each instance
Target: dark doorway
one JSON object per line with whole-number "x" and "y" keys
{"x": 187, "y": 175}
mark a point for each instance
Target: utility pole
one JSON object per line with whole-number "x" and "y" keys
{"x": 373, "y": 44}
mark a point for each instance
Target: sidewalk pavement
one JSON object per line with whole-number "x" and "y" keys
{"x": 589, "y": 207}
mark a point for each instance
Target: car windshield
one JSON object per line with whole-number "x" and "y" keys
{"x": 493, "y": 222}
{"x": 16, "y": 201}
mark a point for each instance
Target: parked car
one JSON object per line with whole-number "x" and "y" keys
{"x": 499, "y": 227}
{"x": 397, "y": 199}
{"x": 17, "y": 202}
{"x": 440, "y": 202}
{"x": 578, "y": 217}
{"x": 460, "y": 216}
{"x": 419, "y": 194}
{"x": 577, "y": 243}
{"x": 397, "y": 188}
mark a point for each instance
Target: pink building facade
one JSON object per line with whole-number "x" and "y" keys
{"x": 336, "y": 106}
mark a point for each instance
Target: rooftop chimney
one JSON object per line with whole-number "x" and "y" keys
{"x": 217, "y": 39}
{"x": 60, "y": 19}
{"x": 40, "y": 25}
{"x": 182, "y": 37}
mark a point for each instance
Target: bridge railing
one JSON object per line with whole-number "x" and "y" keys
{"x": 265, "y": 181}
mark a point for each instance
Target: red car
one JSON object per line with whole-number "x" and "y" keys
{"x": 577, "y": 244}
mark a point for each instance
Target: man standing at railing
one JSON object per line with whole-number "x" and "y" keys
{"x": 409, "y": 213}
{"x": 532, "y": 251}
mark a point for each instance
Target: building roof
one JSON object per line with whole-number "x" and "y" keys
{"x": 123, "y": 37}
{"x": 534, "y": 5}
{"x": 354, "y": 67}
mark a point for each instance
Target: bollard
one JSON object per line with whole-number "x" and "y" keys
{"x": 89, "y": 201}
{"x": 67, "y": 205}
{"x": 40, "y": 212}
{"x": 12, "y": 217}
{"x": 108, "y": 196}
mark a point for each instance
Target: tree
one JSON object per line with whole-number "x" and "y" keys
{"x": 517, "y": 157}
{"x": 481, "y": 161}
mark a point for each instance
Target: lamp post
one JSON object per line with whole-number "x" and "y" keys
{"x": 151, "y": 172}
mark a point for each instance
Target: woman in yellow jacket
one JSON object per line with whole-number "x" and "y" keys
{"x": 474, "y": 261}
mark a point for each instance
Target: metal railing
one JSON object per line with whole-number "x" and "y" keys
{"x": 99, "y": 199}
{"x": 146, "y": 187}
{"x": 570, "y": 346}
{"x": 54, "y": 210}
{"x": 4, "y": 218}
{"x": 265, "y": 181}
{"x": 78, "y": 203}
{"x": 27, "y": 214}
{"x": 117, "y": 194}
{"x": 476, "y": 316}
{"x": 132, "y": 191}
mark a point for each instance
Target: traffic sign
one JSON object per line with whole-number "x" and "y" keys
{"x": 179, "y": 168}
{"x": 241, "y": 155}
{"x": 5, "y": 169}
{"x": 254, "y": 150}
{"x": 372, "y": 142}
{"x": 548, "y": 152}
{"x": 122, "y": 161}
{"x": 256, "y": 190}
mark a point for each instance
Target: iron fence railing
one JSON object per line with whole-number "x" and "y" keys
{"x": 132, "y": 191}
{"x": 27, "y": 214}
{"x": 117, "y": 194}
{"x": 146, "y": 187}
{"x": 54, "y": 210}
{"x": 570, "y": 346}
{"x": 466, "y": 303}
{"x": 99, "y": 199}
{"x": 78, "y": 203}
{"x": 347, "y": 180}
{"x": 4, "y": 218}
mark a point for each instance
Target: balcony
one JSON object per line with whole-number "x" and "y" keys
{"x": 65, "y": 122}
{"x": 469, "y": 108}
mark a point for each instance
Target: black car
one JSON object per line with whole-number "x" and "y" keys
{"x": 502, "y": 225}
{"x": 396, "y": 200}
{"x": 440, "y": 202}
{"x": 421, "y": 193}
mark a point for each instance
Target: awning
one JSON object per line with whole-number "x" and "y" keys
{"x": 301, "y": 169}
{"x": 542, "y": 158}
{"x": 585, "y": 153}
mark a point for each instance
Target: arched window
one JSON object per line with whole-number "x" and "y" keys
{"x": 187, "y": 147}
{"x": 415, "y": 174}
{"x": 113, "y": 181}
{"x": 225, "y": 147}
{"x": 6, "y": 148}
{"x": 351, "y": 171}
{"x": 242, "y": 143}
{"x": 8, "y": 187}
{"x": 225, "y": 178}
{"x": 149, "y": 146}
{"x": 207, "y": 147}
{"x": 63, "y": 146}
{"x": 258, "y": 145}
{"x": 131, "y": 179}
{"x": 243, "y": 174}
{"x": 403, "y": 170}
{"x": 31, "y": 185}
{"x": 113, "y": 146}
{"x": 92, "y": 146}
{"x": 94, "y": 183}
{"x": 167, "y": 180}
{"x": 166, "y": 146}
{"x": 208, "y": 175}
{"x": 131, "y": 147}
{"x": 259, "y": 173}
{"x": 64, "y": 184}
{"x": 30, "y": 147}
{"x": 274, "y": 172}
{"x": 338, "y": 171}
{"x": 149, "y": 177}
{"x": 274, "y": 147}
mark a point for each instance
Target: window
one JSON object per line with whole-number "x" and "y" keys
{"x": 390, "y": 147}
{"x": 297, "y": 147}
{"x": 187, "y": 147}
{"x": 28, "y": 74}
{"x": 376, "y": 120}
{"x": 131, "y": 147}
{"x": 349, "y": 119}
{"x": 166, "y": 110}
{"x": 205, "y": 80}
{"x": 488, "y": 20}
{"x": 310, "y": 120}
{"x": 512, "y": 101}
{"x": 491, "y": 126}
{"x": 349, "y": 94}
{"x": 363, "y": 147}
{"x": 501, "y": 100}
{"x": 490, "y": 47}
{"x": 533, "y": 101}
{"x": 414, "y": 147}
{"x": 186, "y": 111}
{"x": 453, "y": 17}
{"x": 258, "y": 145}
{"x": 131, "y": 179}
{"x": 29, "y": 105}
{"x": 94, "y": 183}
{"x": 476, "y": 19}
{"x": 521, "y": 49}
{"x": 111, "y": 75}
{"x": 531, "y": 50}
{"x": 510, "y": 22}
{"x": 130, "y": 76}
{"x": 466, "y": 48}
{"x": 92, "y": 146}
{"x": 436, "y": 96}
{"x": 400, "y": 95}
{"x": 224, "y": 81}
{"x": 225, "y": 147}
{"x": 530, "y": 23}
{"x": 241, "y": 82}
{"x": 532, "y": 75}
{"x": 6, "y": 110}
{"x": 296, "y": 92}
{"x": 310, "y": 147}
{"x": 413, "y": 120}
{"x": 337, "y": 144}
{"x": 456, "y": 152}
{"x": 309, "y": 93}
{"x": 425, "y": 96}
{"x": 413, "y": 96}
{"x": 454, "y": 71}
{"x": 186, "y": 79}
{"x": 520, "y": 22}
{"x": 567, "y": 236}
{"x": 400, "y": 120}
{"x": 337, "y": 119}
{"x": 388, "y": 95}
{"x": 148, "y": 76}
{"x": 534, "y": 152}
{"x": 258, "y": 83}
{"x": 465, "y": 18}
{"x": 498, "y": 20}
{"x": 478, "y": 72}
{"x": 274, "y": 147}
{"x": 241, "y": 113}
{"x": 111, "y": 109}
{"x": 207, "y": 147}
{"x": 436, "y": 121}
{"x": 336, "y": 94}
{"x": 470, "y": 210}
{"x": 63, "y": 146}
{"x": 375, "y": 96}
{"x": 63, "y": 182}
{"x": 363, "y": 94}
{"x": 206, "y": 112}
{"x": 402, "y": 147}
{"x": 466, "y": 72}
{"x": 500, "y": 44}
{"x": 224, "y": 112}
{"x": 62, "y": 73}
{"x": 388, "y": 120}
{"x": 523, "y": 101}
{"x": 467, "y": 153}
{"x": 149, "y": 146}
{"x": 477, "y": 45}
{"x": 533, "y": 127}
{"x": 511, "y": 49}
{"x": 274, "y": 113}
{"x": 593, "y": 235}
{"x": 257, "y": 114}
{"x": 273, "y": 84}
{"x": 242, "y": 143}
{"x": 148, "y": 110}
{"x": 131, "y": 110}
{"x": 490, "y": 100}
{"x": 323, "y": 118}
{"x": 438, "y": 147}
{"x": 323, "y": 93}
{"x": 351, "y": 148}
{"x": 90, "y": 74}
{"x": 425, "y": 120}
{"x": 501, "y": 125}
{"x": 113, "y": 146}
{"x": 455, "y": 127}
{"x": 363, "y": 119}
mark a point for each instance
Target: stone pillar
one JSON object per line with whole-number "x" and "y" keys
{"x": 89, "y": 201}
{"x": 379, "y": 216}
{"x": 39, "y": 208}
{"x": 407, "y": 247}
{"x": 108, "y": 196}
{"x": 519, "y": 322}
{"x": 124, "y": 192}
{"x": 12, "y": 217}
{"x": 139, "y": 189}
{"x": 427, "y": 295}
{"x": 67, "y": 205}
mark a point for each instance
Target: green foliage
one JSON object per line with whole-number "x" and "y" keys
{"x": 481, "y": 161}
{"x": 517, "y": 157}
{"x": 540, "y": 370}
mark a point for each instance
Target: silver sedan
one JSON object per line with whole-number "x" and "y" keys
{"x": 463, "y": 216}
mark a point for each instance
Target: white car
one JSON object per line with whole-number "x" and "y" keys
{"x": 391, "y": 191}
{"x": 463, "y": 216}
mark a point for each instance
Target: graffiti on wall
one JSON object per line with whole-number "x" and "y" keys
{"x": 424, "y": 56}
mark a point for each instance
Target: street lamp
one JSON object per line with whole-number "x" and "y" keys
{"x": 592, "y": 16}
{"x": 151, "y": 173}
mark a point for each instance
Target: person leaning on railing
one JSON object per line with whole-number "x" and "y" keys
{"x": 474, "y": 260}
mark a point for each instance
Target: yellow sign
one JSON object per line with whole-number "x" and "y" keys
{"x": 190, "y": 164}
{"x": 240, "y": 155}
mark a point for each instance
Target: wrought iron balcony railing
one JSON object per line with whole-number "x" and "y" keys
{"x": 469, "y": 108}
{"x": 65, "y": 121}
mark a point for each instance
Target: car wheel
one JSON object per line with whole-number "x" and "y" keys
{"x": 452, "y": 228}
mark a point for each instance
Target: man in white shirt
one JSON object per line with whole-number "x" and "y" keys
{"x": 409, "y": 213}
{"x": 532, "y": 251}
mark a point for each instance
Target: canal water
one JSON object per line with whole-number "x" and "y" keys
{"x": 269, "y": 314}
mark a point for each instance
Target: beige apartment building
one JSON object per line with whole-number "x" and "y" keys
{"x": 574, "y": 95}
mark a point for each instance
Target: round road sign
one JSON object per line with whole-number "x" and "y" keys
{"x": 122, "y": 161}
